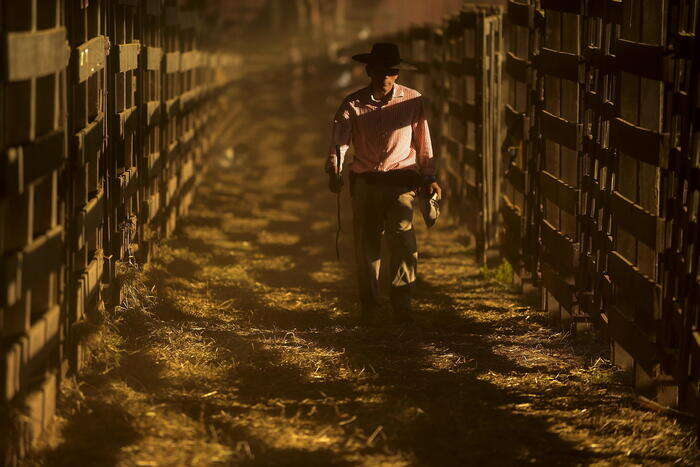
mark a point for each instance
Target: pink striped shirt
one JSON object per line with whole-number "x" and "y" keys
{"x": 386, "y": 137}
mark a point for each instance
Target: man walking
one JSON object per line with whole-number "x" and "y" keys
{"x": 393, "y": 162}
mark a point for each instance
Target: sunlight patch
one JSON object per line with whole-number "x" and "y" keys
{"x": 278, "y": 238}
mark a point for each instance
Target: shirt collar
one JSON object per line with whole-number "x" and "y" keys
{"x": 396, "y": 91}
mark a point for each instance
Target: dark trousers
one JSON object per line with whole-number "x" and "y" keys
{"x": 384, "y": 206}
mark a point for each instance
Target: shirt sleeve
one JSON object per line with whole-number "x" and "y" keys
{"x": 422, "y": 144}
{"x": 341, "y": 136}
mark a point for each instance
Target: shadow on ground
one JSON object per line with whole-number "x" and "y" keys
{"x": 243, "y": 347}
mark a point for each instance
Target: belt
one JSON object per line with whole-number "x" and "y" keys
{"x": 399, "y": 177}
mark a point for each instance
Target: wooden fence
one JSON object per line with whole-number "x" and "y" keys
{"x": 107, "y": 120}
{"x": 460, "y": 71}
{"x": 592, "y": 156}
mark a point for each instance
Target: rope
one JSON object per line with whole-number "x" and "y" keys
{"x": 337, "y": 232}
{"x": 338, "y": 174}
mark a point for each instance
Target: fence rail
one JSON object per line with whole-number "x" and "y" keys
{"x": 107, "y": 120}
{"x": 592, "y": 162}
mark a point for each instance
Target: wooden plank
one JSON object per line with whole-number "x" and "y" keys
{"x": 625, "y": 333}
{"x": 128, "y": 121}
{"x": 640, "y": 223}
{"x": 640, "y": 59}
{"x": 520, "y": 14}
{"x": 93, "y": 213}
{"x": 189, "y": 60}
{"x": 154, "y": 57}
{"x": 128, "y": 56}
{"x": 43, "y": 156}
{"x": 559, "y": 250}
{"x": 172, "y": 106}
{"x": 152, "y": 113}
{"x": 559, "y": 192}
{"x": 562, "y": 291}
{"x": 90, "y": 57}
{"x": 89, "y": 139}
{"x": 172, "y": 62}
{"x": 189, "y": 99}
{"x": 640, "y": 143}
{"x": 43, "y": 339}
{"x": 43, "y": 255}
{"x": 631, "y": 284}
{"x": 36, "y": 53}
{"x": 561, "y": 131}
{"x": 154, "y": 164}
{"x": 517, "y": 67}
{"x": 92, "y": 276}
{"x": 563, "y": 65}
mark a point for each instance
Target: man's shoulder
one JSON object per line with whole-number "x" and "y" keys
{"x": 355, "y": 95}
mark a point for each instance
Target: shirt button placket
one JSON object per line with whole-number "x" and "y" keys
{"x": 382, "y": 144}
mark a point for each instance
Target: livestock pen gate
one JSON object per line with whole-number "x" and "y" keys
{"x": 103, "y": 138}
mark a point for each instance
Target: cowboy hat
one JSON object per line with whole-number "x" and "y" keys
{"x": 386, "y": 55}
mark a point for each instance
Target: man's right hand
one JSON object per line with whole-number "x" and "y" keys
{"x": 335, "y": 182}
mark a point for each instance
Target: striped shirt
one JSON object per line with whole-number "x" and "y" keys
{"x": 387, "y": 135}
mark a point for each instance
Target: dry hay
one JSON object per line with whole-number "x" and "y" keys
{"x": 238, "y": 344}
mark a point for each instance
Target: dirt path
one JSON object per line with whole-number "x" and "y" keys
{"x": 239, "y": 344}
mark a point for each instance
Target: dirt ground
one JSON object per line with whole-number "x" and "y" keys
{"x": 239, "y": 343}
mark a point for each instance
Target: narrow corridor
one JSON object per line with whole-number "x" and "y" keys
{"x": 239, "y": 343}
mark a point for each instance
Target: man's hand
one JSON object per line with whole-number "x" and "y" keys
{"x": 335, "y": 182}
{"x": 433, "y": 188}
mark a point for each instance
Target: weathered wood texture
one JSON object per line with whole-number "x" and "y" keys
{"x": 598, "y": 188}
{"x": 518, "y": 236}
{"x": 32, "y": 215}
{"x": 558, "y": 140}
{"x": 599, "y": 209}
{"x": 679, "y": 274}
{"x": 81, "y": 194}
{"x": 465, "y": 103}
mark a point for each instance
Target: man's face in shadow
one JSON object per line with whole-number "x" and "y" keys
{"x": 382, "y": 77}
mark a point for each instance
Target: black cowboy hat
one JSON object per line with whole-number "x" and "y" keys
{"x": 386, "y": 55}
